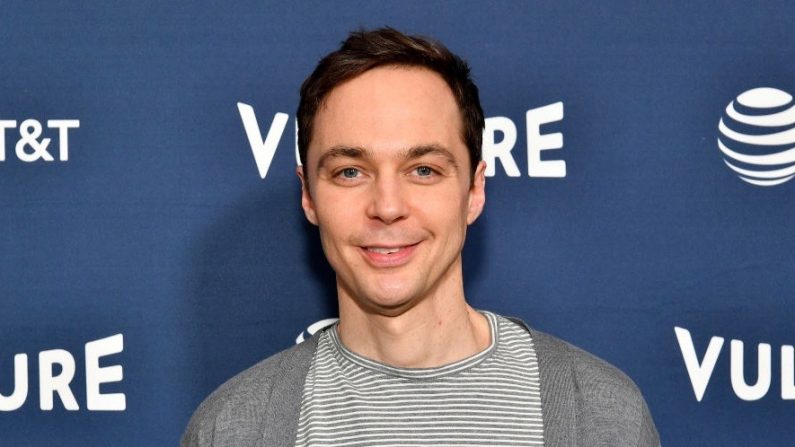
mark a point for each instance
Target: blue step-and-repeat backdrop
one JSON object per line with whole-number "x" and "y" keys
{"x": 152, "y": 242}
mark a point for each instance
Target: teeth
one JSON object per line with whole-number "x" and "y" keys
{"x": 386, "y": 251}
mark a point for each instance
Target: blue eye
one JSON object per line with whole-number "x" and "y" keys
{"x": 424, "y": 171}
{"x": 350, "y": 172}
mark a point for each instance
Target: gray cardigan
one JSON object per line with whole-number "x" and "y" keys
{"x": 585, "y": 402}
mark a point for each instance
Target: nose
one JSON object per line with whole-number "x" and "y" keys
{"x": 388, "y": 202}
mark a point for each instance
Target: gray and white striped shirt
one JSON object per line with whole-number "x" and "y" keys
{"x": 492, "y": 398}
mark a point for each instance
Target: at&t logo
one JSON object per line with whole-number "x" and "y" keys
{"x": 757, "y": 136}
{"x": 32, "y": 145}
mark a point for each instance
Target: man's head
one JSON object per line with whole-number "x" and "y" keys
{"x": 365, "y": 50}
{"x": 388, "y": 178}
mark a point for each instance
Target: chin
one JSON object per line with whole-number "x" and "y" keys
{"x": 389, "y": 302}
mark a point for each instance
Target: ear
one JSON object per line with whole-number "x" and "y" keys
{"x": 306, "y": 198}
{"x": 477, "y": 193}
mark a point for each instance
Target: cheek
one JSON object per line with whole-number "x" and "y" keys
{"x": 446, "y": 212}
{"x": 450, "y": 203}
{"x": 333, "y": 226}
{"x": 334, "y": 243}
{"x": 336, "y": 221}
{"x": 331, "y": 208}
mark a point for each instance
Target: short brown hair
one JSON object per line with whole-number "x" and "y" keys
{"x": 365, "y": 50}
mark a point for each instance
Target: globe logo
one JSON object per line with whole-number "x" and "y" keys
{"x": 314, "y": 327}
{"x": 757, "y": 136}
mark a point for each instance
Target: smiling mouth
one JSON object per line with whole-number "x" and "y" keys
{"x": 385, "y": 250}
{"x": 379, "y": 256}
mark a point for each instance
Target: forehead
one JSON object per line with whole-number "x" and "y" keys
{"x": 388, "y": 109}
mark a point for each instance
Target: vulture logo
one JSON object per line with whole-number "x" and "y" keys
{"x": 757, "y": 136}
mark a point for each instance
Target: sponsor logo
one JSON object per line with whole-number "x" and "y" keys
{"x": 537, "y": 143}
{"x": 52, "y": 383}
{"x": 499, "y": 140}
{"x": 313, "y": 328}
{"x": 757, "y": 136}
{"x": 32, "y": 145}
{"x": 700, "y": 372}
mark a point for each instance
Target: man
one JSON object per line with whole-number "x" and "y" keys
{"x": 390, "y": 131}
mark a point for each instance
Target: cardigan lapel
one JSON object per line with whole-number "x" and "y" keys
{"x": 284, "y": 404}
{"x": 558, "y": 402}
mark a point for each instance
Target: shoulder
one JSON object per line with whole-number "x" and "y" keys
{"x": 603, "y": 403}
{"x": 597, "y": 380}
{"x": 233, "y": 414}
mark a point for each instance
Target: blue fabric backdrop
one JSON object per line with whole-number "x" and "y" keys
{"x": 159, "y": 226}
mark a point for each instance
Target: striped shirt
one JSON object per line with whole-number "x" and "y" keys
{"x": 491, "y": 399}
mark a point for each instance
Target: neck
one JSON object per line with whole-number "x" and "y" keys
{"x": 437, "y": 330}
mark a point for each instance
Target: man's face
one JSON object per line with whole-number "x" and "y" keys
{"x": 388, "y": 184}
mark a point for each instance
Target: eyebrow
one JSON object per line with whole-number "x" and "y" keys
{"x": 342, "y": 151}
{"x": 407, "y": 154}
{"x": 430, "y": 149}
